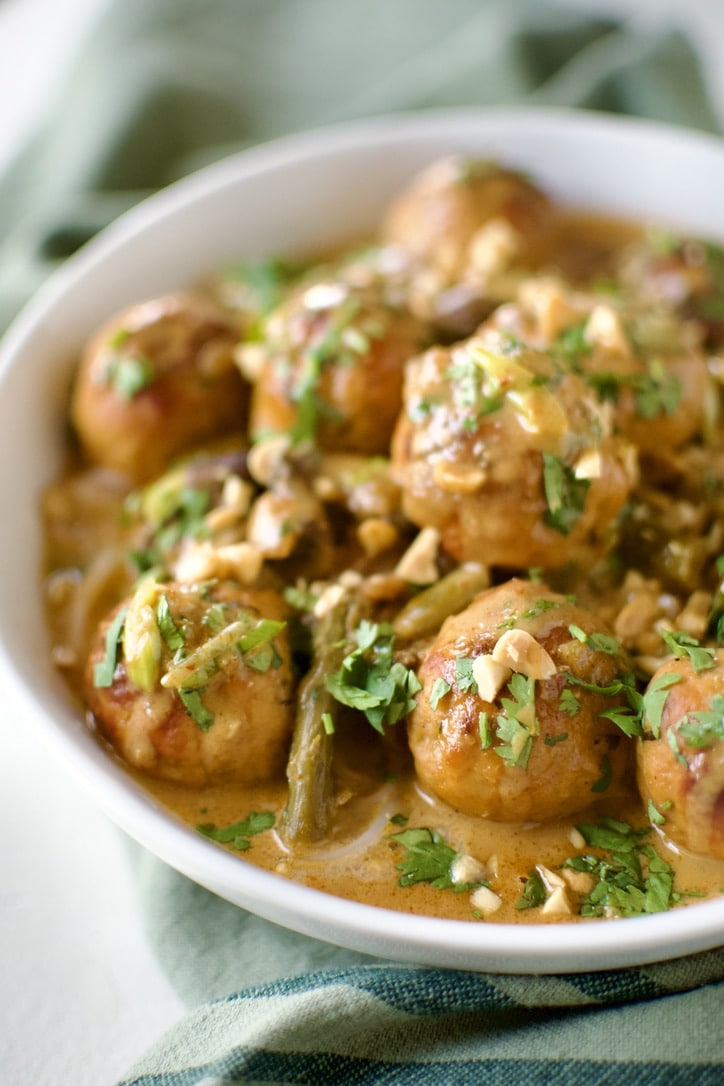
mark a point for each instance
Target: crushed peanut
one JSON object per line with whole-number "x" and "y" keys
{"x": 519, "y": 650}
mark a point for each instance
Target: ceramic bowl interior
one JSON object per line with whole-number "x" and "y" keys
{"x": 291, "y": 197}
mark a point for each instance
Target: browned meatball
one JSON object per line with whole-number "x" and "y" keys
{"x": 511, "y": 461}
{"x": 502, "y": 728}
{"x": 330, "y": 368}
{"x": 646, "y": 367}
{"x": 681, "y": 758}
{"x": 157, "y": 379}
{"x": 468, "y": 227}
{"x": 438, "y": 219}
{"x": 202, "y": 689}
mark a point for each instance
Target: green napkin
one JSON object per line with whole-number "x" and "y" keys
{"x": 160, "y": 88}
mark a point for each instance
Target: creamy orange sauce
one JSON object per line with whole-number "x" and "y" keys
{"x": 377, "y": 794}
{"x": 361, "y": 865}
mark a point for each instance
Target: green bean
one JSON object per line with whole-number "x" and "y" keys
{"x": 425, "y": 612}
{"x": 309, "y": 768}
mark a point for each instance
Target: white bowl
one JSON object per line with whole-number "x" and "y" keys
{"x": 289, "y": 197}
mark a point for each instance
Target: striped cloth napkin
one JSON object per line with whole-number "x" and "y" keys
{"x": 166, "y": 86}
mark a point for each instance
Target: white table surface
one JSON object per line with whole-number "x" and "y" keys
{"x": 81, "y": 994}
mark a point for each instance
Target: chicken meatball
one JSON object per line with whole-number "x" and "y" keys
{"x": 193, "y": 683}
{"x": 511, "y": 461}
{"x": 509, "y": 724}
{"x": 153, "y": 382}
{"x": 330, "y": 368}
{"x": 646, "y": 367}
{"x": 681, "y": 757}
{"x": 465, "y": 224}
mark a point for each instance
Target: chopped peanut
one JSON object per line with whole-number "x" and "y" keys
{"x": 519, "y": 650}
{"x": 490, "y": 676}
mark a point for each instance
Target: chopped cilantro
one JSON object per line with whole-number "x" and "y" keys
{"x": 655, "y": 816}
{"x": 534, "y": 892}
{"x": 469, "y": 380}
{"x": 604, "y": 781}
{"x": 706, "y": 727}
{"x": 257, "y": 645}
{"x": 172, "y": 634}
{"x": 105, "y": 669}
{"x": 597, "y": 642}
{"x": 248, "y": 637}
{"x": 626, "y": 717}
{"x": 656, "y": 393}
{"x": 196, "y": 709}
{"x": 428, "y": 858}
{"x": 129, "y": 375}
{"x": 554, "y": 740}
{"x": 571, "y": 344}
{"x": 215, "y": 618}
{"x": 239, "y": 833}
{"x": 537, "y": 608}
{"x": 464, "y": 679}
{"x": 631, "y": 878}
{"x": 565, "y": 494}
{"x": 265, "y": 280}
{"x": 568, "y": 703}
{"x": 439, "y": 689}
{"x": 673, "y": 740}
{"x": 654, "y": 700}
{"x": 371, "y": 680}
{"x": 516, "y": 726}
{"x": 682, "y": 644}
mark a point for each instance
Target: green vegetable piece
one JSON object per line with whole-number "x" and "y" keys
{"x": 129, "y": 375}
{"x": 372, "y": 681}
{"x": 309, "y": 766}
{"x": 239, "y": 833}
{"x": 439, "y": 689}
{"x": 172, "y": 634}
{"x": 428, "y": 858}
{"x": 105, "y": 669}
{"x": 654, "y": 700}
{"x": 426, "y": 611}
{"x": 706, "y": 727}
{"x": 682, "y": 644}
{"x": 565, "y": 494}
{"x": 196, "y": 709}
{"x": 534, "y": 893}
{"x": 604, "y": 781}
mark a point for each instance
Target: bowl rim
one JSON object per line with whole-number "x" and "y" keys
{"x": 503, "y": 948}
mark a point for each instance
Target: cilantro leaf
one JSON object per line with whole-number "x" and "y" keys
{"x": 706, "y": 727}
{"x": 129, "y": 375}
{"x": 105, "y": 669}
{"x": 239, "y": 833}
{"x": 428, "y": 858}
{"x": 630, "y": 877}
{"x": 172, "y": 634}
{"x": 565, "y": 494}
{"x": 439, "y": 689}
{"x": 654, "y": 700}
{"x": 372, "y": 681}
{"x": 464, "y": 679}
{"x": 534, "y": 892}
{"x": 682, "y": 644}
{"x": 604, "y": 781}
{"x": 196, "y": 709}
{"x": 597, "y": 642}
